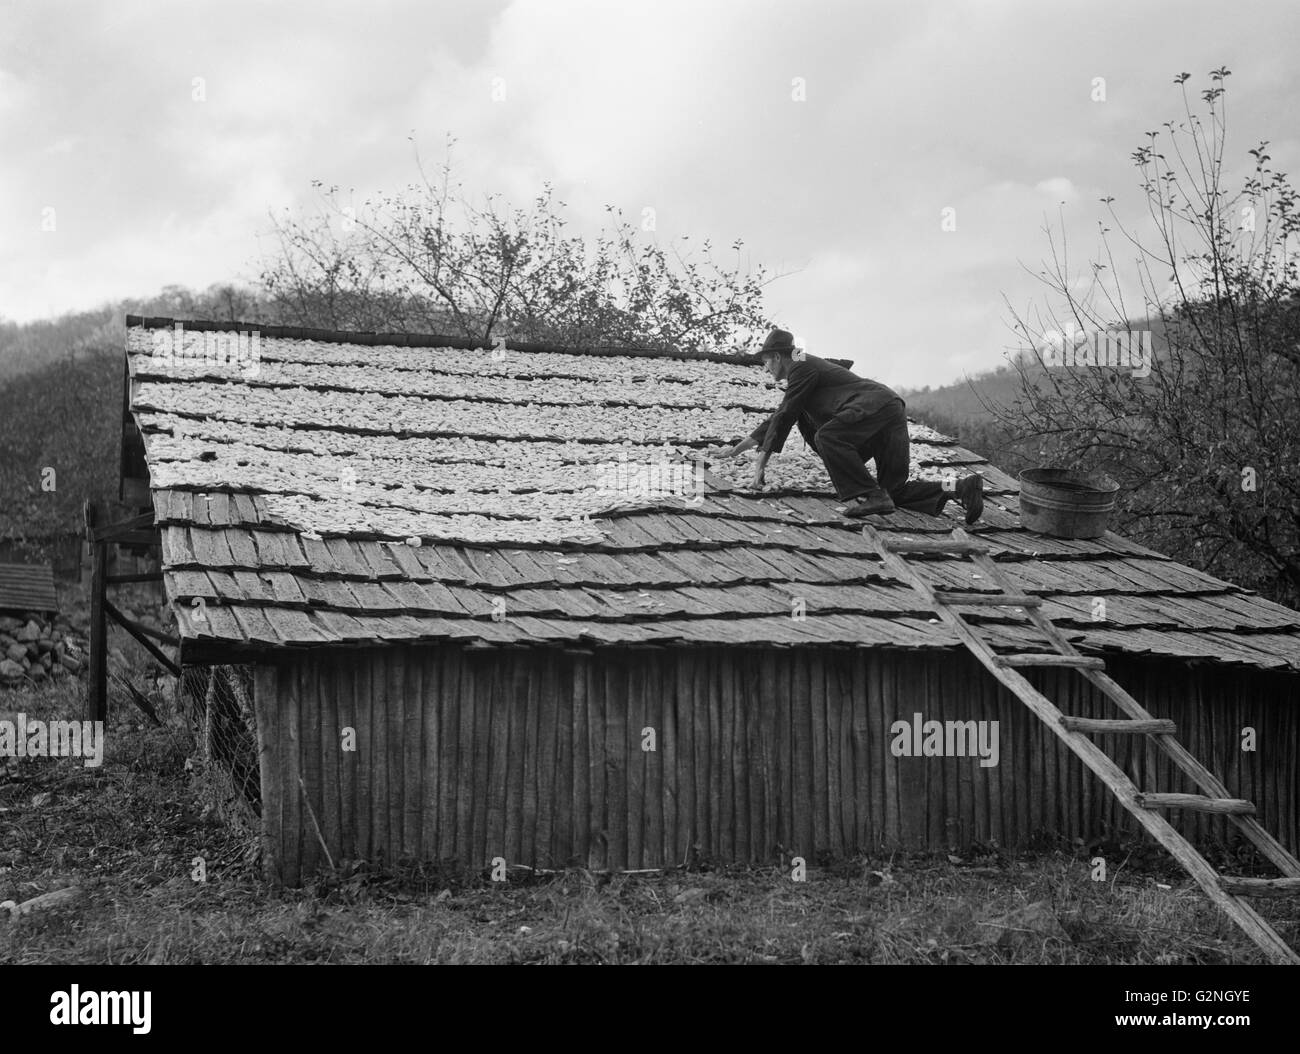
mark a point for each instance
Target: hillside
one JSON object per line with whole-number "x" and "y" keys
{"x": 30, "y": 347}
{"x": 962, "y": 408}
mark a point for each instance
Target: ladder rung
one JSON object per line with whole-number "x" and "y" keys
{"x": 1078, "y": 662}
{"x": 1261, "y": 887}
{"x": 1011, "y": 600}
{"x": 1155, "y": 726}
{"x": 1197, "y": 803}
{"x": 949, "y": 546}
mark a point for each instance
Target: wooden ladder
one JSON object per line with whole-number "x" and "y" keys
{"x": 1228, "y": 893}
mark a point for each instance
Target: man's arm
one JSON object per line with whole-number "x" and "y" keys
{"x": 803, "y": 382}
{"x": 760, "y": 466}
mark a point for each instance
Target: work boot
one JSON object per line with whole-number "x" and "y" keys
{"x": 970, "y": 492}
{"x": 873, "y": 503}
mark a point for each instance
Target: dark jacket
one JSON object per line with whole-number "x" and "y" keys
{"x": 816, "y": 392}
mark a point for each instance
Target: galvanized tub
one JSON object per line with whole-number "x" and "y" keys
{"x": 1065, "y": 503}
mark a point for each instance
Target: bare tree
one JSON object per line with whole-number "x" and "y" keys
{"x": 427, "y": 259}
{"x": 1207, "y": 446}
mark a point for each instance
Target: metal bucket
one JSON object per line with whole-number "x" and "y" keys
{"x": 1066, "y": 504}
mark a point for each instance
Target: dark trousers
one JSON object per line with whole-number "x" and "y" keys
{"x": 854, "y": 436}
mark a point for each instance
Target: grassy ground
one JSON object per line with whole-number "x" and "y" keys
{"x": 126, "y": 836}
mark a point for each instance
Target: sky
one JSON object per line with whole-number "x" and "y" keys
{"x": 144, "y": 144}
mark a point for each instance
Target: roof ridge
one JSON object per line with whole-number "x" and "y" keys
{"x": 435, "y": 340}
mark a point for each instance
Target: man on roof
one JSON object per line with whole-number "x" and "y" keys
{"x": 849, "y": 420}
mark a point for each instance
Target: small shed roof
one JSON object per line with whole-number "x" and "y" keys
{"x": 563, "y": 496}
{"x": 27, "y": 587}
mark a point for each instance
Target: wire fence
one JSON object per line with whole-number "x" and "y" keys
{"x": 218, "y": 702}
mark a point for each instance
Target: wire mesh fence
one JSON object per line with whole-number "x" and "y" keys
{"x": 218, "y": 702}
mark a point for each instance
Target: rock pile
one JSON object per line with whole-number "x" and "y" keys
{"x": 35, "y": 647}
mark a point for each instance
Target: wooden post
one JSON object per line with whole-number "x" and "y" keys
{"x": 97, "y": 682}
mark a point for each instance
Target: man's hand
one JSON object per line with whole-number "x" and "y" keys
{"x": 739, "y": 448}
{"x": 759, "y": 468}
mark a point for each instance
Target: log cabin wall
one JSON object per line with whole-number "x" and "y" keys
{"x": 536, "y": 755}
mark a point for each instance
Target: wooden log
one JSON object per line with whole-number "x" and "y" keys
{"x": 345, "y": 678}
{"x": 1261, "y": 887}
{"x": 618, "y": 755}
{"x": 143, "y": 539}
{"x": 291, "y": 772}
{"x": 905, "y": 545}
{"x": 970, "y": 778}
{"x": 752, "y": 721}
{"x": 380, "y": 769}
{"x": 1079, "y": 662}
{"x": 142, "y": 634}
{"x": 453, "y": 783}
{"x": 669, "y": 760}
{"x": 844, "y": 795}
{"x": 1058, "y": 688}
{"x": 484, "y": 666}
{"x": 598, "y": 802}
{"x": 582, "y": 766}
{"x": 817, "y": 723}
{"x": 366, "y": 758}
{"x": 685, "y": 769}
{"x": 886, "y": 710}
{"x": 530, "y": 669}
{"x": 702, "y": 742}
{"x": 1096, "y": 726}
{"x": 97, "y": 683}
{"x": 740, "y": 705}
{"x": 395, "y": 692}
{"x": 867, "y": 771}
{"x": 548, "y": 762}
{"x": 722, "y": 708}
{"x": 945, "y": 821}
{"x": 309, "y": 782}
{"x": 139, "y": 576}
{"x": 783, "y": 687}
{"x": 634, "y": 701}
{"x": 117, "y": 532}
{"x": 1019, "y": 600}
{"x": 432, "y": 665}
{"x": 1196, "y": 803}
{"x": 566, "y": 730}
{"x": 327, "y": 689}
{"x": 266, "y": 705}
{"x": 802, "y": 732}
{"x": 507, "y": 712}
{"x": 650, "y": 782}
{"x": 909, "y": 684}
{"x": 414, "y": 760}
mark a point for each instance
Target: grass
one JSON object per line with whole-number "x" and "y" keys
{"x": 127, "y": 835}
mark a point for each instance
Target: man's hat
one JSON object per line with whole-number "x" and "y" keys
{"x": 778, "y": 340}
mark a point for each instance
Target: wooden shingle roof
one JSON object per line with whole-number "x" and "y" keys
{"x": 345, "y": 488}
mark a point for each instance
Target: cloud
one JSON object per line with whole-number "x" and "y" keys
{"x": 684, "y": 107}
{"x": 1058, "y": 188}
